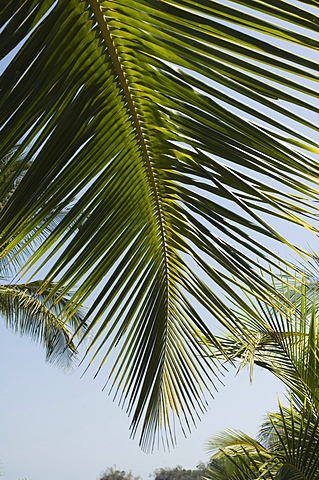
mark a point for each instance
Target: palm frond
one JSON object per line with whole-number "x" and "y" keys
{"x": 150, "y": 114}
{"x": 237, "y": 456}
{"x": 27, "y": 312}
{"x": 285, "y": 343}
{"x": 294, "y": 435}
{"x": 287, "y": 449}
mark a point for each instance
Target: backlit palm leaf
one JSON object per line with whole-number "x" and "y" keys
{"x": 286, "y": 344}
{"x": 23, "y": 308}
{"x": 294, "y": 436}
{"x": 237, "y": 456}
{"x": 287, "y": 449}
{"x": 131, "y": 107}
{"x": 28, "y": 313}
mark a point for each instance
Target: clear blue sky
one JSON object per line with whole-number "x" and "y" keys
{"x": 58, "y": 426}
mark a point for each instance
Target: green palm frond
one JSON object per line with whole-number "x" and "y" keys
{"x": 294, "y": 435}
{"x": 150, "y": 113}
{"x": 285, "y": 343}
{"x": 11, "y": 174}
{"x": 287, "y": 449}
{"x": 237, "y": 456}
{"x": 24, "y": 309}
{"x": 308, "y": 298}
{"x": 27, "y": 312}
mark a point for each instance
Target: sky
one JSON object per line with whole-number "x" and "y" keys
{"x": 57, "y": 426}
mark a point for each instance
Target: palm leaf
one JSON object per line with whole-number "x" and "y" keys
{"x": 132, "y": 108}
{"x": 287, "y": 449}
{"x": 27, "y": 312}
{"x": 296, "y": 435}
{"x": 285, "y": 343}
{"x": 237, "y": 456}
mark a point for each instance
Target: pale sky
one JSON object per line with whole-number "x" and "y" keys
{"x": 58, "y": 426}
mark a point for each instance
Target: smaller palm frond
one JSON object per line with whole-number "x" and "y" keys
{"x": 310, "y": 272}
{"x": 293, "y": 434}
{"x": 237, "y": 456}
{"x": 13, "y": 168}
{"x": 286, "y": 449}
{"x": 24, "y": 309}
{"x": 284, "y": 342}
{"x": 29, "y": 313}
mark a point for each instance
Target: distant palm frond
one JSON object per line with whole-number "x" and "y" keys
{"x": 287, "y": 449}
{"x": 27, "y": 312}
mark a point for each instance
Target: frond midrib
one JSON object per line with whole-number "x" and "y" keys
{"x": 136, "y": 124}
{"x": 105, "y": 32}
